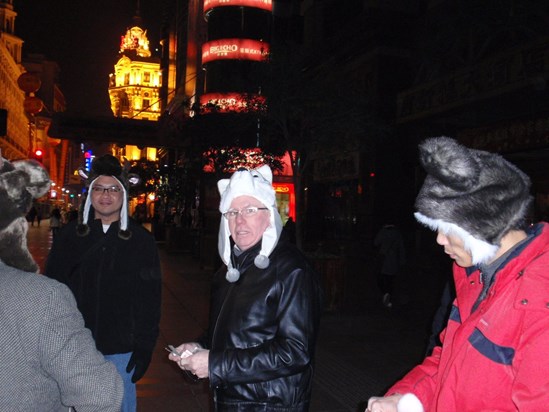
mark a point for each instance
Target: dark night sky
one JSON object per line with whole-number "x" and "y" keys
{"x": 83, "y": 38}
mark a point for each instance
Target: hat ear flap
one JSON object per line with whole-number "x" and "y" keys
{"x": 222, "y": 185}
{"x": 266, "y": 172}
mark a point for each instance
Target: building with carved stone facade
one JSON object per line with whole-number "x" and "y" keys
{"x": 134, "y": 85}
{"x": 15, "y": 144}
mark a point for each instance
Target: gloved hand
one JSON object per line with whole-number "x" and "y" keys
{"x": 139, "y": 360}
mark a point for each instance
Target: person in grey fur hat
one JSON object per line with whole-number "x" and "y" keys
{"x": 265, "y": 307}
{"x": 495, "y": 347}
{"x": 49, "y": 359}
{"x": 111, "y": 264}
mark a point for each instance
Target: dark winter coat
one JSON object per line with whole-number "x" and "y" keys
{"x": 116, "y": 283}
{"x": 263, "y": 331}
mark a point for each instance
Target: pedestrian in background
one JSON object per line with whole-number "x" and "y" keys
{"x": 38, "y": 215}
{"x": 289, "y": 229}
{"x": 440, "y": 318}
{"x": 49, "y": 360}
{"x": 495, "y": 348}
{"x": 391, "y": 259}
{"x": 55, "y": 221}
{"x": 111, "y": 264}
{"x": 31, "y": 215}
{"x": 265, "y": 307}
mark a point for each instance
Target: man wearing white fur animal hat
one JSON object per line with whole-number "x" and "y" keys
{"x": 265, "y": 307}
{"x": 49, "y": 360}
{"x": 495, "y": 348}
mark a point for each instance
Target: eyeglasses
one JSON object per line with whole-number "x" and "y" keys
{"x": 245, "y": 213}
{"x": 110, "y": 190}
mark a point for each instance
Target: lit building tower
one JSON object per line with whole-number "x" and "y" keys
{"x": 134, "y": 86}
{"x": 14, "y": 141}
{"x": 239, "y": 32}
{"x": 55, "y": 152}
{"x": 134, "y": 91}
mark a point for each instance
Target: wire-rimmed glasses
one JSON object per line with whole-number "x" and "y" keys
{"x": 244, "y": 212}
{"x": 110, "y": 189}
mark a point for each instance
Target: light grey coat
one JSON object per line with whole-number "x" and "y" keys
{"x": 48, "y": 359}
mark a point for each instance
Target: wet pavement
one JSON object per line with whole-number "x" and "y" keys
{"x": 362, "y": 348}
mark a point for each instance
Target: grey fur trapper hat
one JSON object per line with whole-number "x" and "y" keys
{"x": 106, "y": 165}
{"x": 21, "y": 182}
{"x": 475, "y": 195}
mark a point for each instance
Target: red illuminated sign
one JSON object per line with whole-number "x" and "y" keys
{"x": 234, "y": 49}
{"x": 229, "y": 102}
{"x": 259, "y": 4}
{"x": 286, "y": 190}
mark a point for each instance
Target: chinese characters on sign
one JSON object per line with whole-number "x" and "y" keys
{"x": 234, "y": 49}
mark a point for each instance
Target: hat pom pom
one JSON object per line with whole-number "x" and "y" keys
{"x": 124, "y": 234}
{"x": 232, "y": 275}
{"x": 261, "y": 261}
{"x": 82, "y": 229}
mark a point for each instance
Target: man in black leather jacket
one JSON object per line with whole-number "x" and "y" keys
{"x": 265, "y": 307}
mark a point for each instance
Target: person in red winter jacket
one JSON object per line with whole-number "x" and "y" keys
{"x": 494, "y": 354}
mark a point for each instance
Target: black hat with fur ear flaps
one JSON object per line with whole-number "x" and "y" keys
{"x": 106, "y": 165}
{"x": 21, "y": 182}
{"x": 475, "y": 195}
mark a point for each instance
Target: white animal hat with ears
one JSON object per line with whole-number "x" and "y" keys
{"x": 257, "y": 183}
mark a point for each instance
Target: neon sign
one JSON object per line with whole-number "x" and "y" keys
{"x": 230, "y": 102}
{"x": 287, "y": 193}
{"x": 88, "y": 157}
{"x": 234, "y": 49}
{"x": 259, "y": 4}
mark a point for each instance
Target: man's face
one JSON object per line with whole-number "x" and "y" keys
{"x": 247, "y": 231}
{"x": 453, "y": 247}
{"x": 107, "y": 203}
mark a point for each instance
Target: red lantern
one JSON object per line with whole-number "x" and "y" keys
{"x": 33, "y": 104}
{"x": 29, "y": 82}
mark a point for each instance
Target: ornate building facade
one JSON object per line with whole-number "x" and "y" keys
{"x": 134, "y": 86}
{"x": 15, "y": 143}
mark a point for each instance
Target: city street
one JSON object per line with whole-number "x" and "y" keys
{"x": 359, "y": 353}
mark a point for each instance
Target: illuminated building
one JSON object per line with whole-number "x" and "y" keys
{"x": 239, "y": 32}
{"x": 15, "y": 142}
{"x": 212, "y": 52}
{"x": 134, "y": 89}
{"x": 238, "y": 44}
{"x": 29, "y": 113}
{"x": 135, "y": 85}
{"x": 56, "y": 152}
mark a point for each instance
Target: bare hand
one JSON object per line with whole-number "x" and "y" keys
{"x": 197, "y": 364}
{"x": 383, "y": 404}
